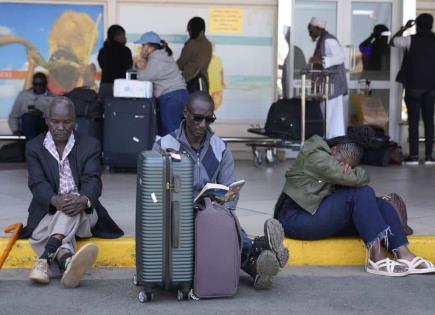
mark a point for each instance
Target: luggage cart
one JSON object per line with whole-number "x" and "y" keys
{"x": 319, "y": 87}
{"x": 315, "y": 84}
{"x": 269, "y": 148}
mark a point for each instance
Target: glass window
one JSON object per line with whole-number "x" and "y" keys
{"x": 384, "y": 96}
{"x": 371, "y": 31}
{"x": 302, "y": 43}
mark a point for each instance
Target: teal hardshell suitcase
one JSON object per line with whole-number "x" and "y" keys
{"x": 164, "y": 224}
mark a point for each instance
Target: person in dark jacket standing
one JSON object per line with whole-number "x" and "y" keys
{"x": 114, "y": 59}
{"x": 195, "y": 56}
{"x": 417, "y": 74}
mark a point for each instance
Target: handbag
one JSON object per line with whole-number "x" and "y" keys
{"x": 198, "y": 83}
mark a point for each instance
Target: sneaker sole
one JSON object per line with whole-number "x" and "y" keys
{"x": 81, "y": 262}
{"x": 411, "y": 163}
{"x": 274, "y": 233}
{"x": 37, "y": 279}
{"x": 267, "y": 267}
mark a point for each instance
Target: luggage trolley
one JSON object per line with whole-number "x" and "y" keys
{"x": 315, "y": 85}
{"x": 320, "y": 88}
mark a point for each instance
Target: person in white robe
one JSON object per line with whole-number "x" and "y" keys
{"x": 329, "y": 55}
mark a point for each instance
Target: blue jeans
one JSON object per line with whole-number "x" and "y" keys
{"x": 171, "y": 107}
{"x": 347, "y": 211}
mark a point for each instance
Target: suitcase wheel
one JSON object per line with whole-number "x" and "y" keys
{"x": 183, "y": 295}
{"x": 145, "y": 296}
{"x": 258, "y": 157}
{"x": 135, "y": 280}
{"x": 271, "y": 156}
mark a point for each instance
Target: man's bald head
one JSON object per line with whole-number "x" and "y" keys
{"x": 61, "y": 102}
{"x": 61, "y": 118}
{"x": 200, "y": 101}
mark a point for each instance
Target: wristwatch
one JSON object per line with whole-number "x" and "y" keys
{"x": 88, "y": 202}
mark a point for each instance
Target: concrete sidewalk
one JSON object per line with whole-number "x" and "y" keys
{"x": 263, "y": 186}
{"x": 256, "y": 204}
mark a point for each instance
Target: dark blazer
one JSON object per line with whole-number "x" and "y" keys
{"x": 85, "y": 163}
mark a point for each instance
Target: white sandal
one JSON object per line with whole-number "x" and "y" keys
{"x": 388, "y": 264}
{"x": 417, "y": 262}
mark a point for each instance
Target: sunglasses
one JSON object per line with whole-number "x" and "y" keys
{"x": 200, "y": 118}
{"x": 38, "y": 84}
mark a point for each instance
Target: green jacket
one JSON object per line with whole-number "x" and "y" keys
{"x": 315, "y": 174}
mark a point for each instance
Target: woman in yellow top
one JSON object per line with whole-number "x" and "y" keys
{"x": 216, "y": 79}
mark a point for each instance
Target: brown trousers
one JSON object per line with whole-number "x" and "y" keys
{"x": 60, "y": 223}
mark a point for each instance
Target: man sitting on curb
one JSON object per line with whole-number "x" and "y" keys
{"x": 213, "y": 162}
{"x": 64, "y": 177}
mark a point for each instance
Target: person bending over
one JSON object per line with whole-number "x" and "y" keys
{"x": 169, "y": 88}
{"x": 326, "y": 194}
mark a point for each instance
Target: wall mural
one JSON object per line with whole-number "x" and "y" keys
{"x": 57, "y": 39}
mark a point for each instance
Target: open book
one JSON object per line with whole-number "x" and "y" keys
{"x": 220, "y": 193}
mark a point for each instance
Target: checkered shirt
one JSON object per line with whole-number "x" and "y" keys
{"x": 66, "y": 179}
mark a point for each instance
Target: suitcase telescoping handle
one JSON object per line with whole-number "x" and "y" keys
{"x": 175, "y": 233}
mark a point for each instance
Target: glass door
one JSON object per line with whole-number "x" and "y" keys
{"x": 370, "y": 53}
{"x": 363, "y": 29}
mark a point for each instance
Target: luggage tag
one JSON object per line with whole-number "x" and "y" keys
{"x": 175, "y": 155}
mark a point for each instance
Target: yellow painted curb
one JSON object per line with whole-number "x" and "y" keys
{"x": 112, "y": 253}
{"x": 334, "y": 251}
{"x": 347, "y": 250}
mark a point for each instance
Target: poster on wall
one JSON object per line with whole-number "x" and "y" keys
{"x": 58, "y": 39}
{"x": 242, "y": 67}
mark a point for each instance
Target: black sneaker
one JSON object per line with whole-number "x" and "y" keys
{"x": 411, "y": 160}
{"x": 274, "y": 237}
{"x": 262, "y": 266}
{"x": 429, "y": 160}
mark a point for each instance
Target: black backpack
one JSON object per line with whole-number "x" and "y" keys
{"x": 86, "y": 102}
{"x": 13, "y": 152}
{"x": 381, "y": 151}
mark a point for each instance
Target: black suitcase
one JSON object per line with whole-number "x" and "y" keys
{"x": 284, "y": 120}
{"x": 129, "y": 128}
{"x": 164, "y": 224}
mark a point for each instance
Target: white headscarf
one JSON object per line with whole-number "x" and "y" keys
{"x": 316, "y": 21}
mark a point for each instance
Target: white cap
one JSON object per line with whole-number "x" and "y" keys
{"x": 316, "y": 21}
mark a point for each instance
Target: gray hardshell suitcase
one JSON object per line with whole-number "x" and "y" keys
{"x": 164, "y": 224}
{"x": 218, "y": 246}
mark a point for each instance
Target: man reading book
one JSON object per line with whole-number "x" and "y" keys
{"x": 214, "y": 163}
